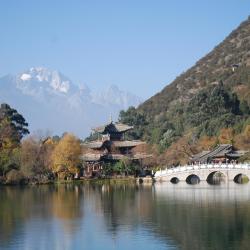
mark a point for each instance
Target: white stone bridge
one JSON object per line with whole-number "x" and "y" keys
{"x": 204, "y": 172}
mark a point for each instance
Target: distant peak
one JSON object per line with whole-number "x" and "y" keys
{"x": 54, "y": 78}
{"x": 25, "y": 77}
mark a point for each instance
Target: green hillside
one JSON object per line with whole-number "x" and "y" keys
{"x": 212, "y": 95}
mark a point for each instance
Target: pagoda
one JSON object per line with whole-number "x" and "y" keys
{"x": 110, "y": 147}
{"x": 223, "y": 153}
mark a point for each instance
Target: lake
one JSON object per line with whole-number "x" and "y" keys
{"x": 125, "y": 216}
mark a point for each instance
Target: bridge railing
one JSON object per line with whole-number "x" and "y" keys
{"x": 184, "y": 168}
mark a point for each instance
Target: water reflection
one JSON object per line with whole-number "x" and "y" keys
{"x": 163, "y": 216}
{"x": 205, "y": 216}
{"x": 228, "y": 192}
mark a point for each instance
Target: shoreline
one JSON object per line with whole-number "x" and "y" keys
{"x": 107, "y": 180}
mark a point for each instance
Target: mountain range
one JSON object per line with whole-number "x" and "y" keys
{"x": 51, "y": 101}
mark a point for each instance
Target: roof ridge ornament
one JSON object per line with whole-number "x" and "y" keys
{"x": 110, "y": 118}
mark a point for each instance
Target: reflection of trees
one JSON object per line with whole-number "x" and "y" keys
{"x": 195, "y": 218}
{"x": 125, "y": 205}
{"x": 203, "y": 227}
{"x": 117, "y": 201}
{"x": 66, "y": 203}
{"x": 202, "y": 218}
{"x": 66, "y": 206}
{"x": 8, "y": 215}
{"x": 198, "y": 224}
{"x": 18, "y": 205}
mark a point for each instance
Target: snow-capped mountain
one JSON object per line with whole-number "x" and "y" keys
{"x": 52, "y": 79}
{"x": 50, "y": 100}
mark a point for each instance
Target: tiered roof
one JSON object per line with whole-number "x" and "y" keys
{"x": 125, "y": 144}
{"x": 91, "y": 157}
{"x": 99, "y": 157}
{"x": 112, "y": 145}
{"x": 137, "y": 156}
{"x": 94, "y": 144}
{"x": 113, "y": 128}
{"x": 222, "y": 150}
{"x": 117, "y": 144}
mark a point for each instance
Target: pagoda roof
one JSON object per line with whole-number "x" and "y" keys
{"x": 137, "y": 156}
{"x": 94, "y": 144}
{"x": 117, "y": 144}
{"x": 220, "y": 151}
{"x": 91, "y": 157}
{"x": 113, "y": 128}
{"x": 121, "y": 144}
{"x": 98, "y": 157}
{"x": 237, "y": 153}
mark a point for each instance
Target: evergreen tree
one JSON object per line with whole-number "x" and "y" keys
{"x": 11, "y": 118}
{"x": 12, "y": 128}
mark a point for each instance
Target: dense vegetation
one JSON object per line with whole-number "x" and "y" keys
{"x": 37, "y": 158}
{"x": 201, "y": 104}
{"x": 40, "y": 158}
{"x": 211, "y": 110}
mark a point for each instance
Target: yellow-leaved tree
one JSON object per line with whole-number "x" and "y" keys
{"x": 66, "y": 155}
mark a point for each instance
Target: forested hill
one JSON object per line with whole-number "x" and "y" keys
{"x": 215, "y": 66}
{"x": 211, "y": 96}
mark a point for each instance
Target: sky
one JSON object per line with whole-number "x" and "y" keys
{"x": 140, "y": 46}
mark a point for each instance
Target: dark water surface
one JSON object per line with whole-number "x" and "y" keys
{"x": 163, "y": 216}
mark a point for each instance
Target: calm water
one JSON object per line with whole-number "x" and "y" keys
{"x": 163, "y": 216}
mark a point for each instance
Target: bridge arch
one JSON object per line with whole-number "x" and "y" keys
{"x": 193, "y": 179}
{"x": 241, "y": 178}
{"x": 174, "y": 180}
{"x": 212, "y": 173}
{"x": 216, "y": 177}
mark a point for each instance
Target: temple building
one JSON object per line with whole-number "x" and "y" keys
{"x": 223, "y": 153}
{"x": 110, "y": 147}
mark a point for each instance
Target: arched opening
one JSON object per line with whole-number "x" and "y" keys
{"x": 241, "y": 179}
{"x": 140, "y": 180}
{"x": 174, "y": 180}
{"x": 216, "y": 178}
{"x": 193, "y": 179}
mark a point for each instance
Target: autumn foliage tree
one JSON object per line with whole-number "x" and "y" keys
{"x": 66, "y": 155}
{"x": 36, "y": 155}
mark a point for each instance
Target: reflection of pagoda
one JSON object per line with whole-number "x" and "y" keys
{"x": 110, "y": 147}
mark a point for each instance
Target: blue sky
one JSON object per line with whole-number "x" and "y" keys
{"x": 141, "y": 46}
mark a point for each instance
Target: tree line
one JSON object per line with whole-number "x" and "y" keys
{"x": 186, "y": 128}
{"x": 40, "y": 158}
{"x": 34, "y": 158}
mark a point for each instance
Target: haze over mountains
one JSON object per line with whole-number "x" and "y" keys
{"x": 51, "y": 101}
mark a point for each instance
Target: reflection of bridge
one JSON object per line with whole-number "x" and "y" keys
{"x": 204, "y": 172}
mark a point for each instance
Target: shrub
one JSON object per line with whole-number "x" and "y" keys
{"x": 14, "y": 177}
